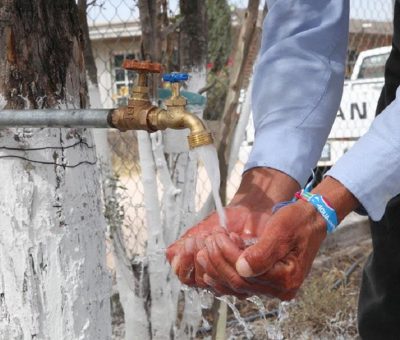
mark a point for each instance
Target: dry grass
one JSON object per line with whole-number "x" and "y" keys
{"x": 321, "y": 311}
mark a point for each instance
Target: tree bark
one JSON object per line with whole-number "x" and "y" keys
{"x": 53, "y": 279}
{"x": 153, "y": 20}
{"x": 193, "y": 34}
{"x": 230, "y": 116}
{"x": 177, "y": 182}
{"x": 193, "y": 48}
{"x": 87, "y": 48}
{"x": 100, "y": 136}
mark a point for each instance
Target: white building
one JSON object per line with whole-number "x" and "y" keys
{"x": 112, "y": 43}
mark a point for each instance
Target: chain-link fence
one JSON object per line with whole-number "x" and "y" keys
{"x": 115, "y": 35}
{"x": 369, "y": 47}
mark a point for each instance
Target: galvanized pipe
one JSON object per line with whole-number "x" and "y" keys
{"x": 90, "y": 118}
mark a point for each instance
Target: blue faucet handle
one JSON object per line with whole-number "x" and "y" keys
{"x": 175, "y": 77}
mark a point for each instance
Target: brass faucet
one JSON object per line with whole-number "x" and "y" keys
{"x": 141, "y": 114}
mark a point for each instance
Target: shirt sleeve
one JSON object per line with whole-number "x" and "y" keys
{"x": 298, "y": 83}
{"x": 371, "y": 168}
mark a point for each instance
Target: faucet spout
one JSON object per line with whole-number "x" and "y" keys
{"x": 140, "y": 114}
{"x": 177, "y": 117}
{"x": 199, "y": 134}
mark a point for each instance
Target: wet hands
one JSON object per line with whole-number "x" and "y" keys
{"x": 208, "y": 256}
{"x": 276, "y": 265}
{"x": 186, "y": 254}
{"x": 280, "y": 260}
{"x": 205, "y": 256}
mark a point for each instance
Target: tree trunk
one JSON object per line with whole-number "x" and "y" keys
{"x": 193, "y": 34}
{"x": 164, "y": 287}
{"x": 100, "y": 135}
{"x": 53, "y": 279}
{"x": 230, "y": 116}
{"x": 240, "y": 130}
{"x": 153, "y": 19}
{"x": 193, "y": 59}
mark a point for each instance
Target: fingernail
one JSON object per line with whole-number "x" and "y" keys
{"x": 207, "y": 279}
{"x": 243, "y": 268}
{"x": 202, "y": 261}
{"x": 237, "y": 240}
{"x": 189, "y": 273}
{"x": 174, "y": 264}
{"x": 189, "y": 244}
{"x": 209, "y": 244}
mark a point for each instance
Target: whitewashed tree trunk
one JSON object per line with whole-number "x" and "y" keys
{"x": 240, "y": 129}
{"x": 138, "y": 322}
{"x": 167, "y": 217}
{"x": 192, "y": 313}
{"x": 99, "y": 135}
{"x": 164, "y": 286}
{"x": 132, "y": 292}
{"x": 53, "y": 279}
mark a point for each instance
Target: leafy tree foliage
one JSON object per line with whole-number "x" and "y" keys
{"x": 219, "y": 50}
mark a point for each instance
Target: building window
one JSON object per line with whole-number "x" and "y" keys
{"x": 123, "y": 79}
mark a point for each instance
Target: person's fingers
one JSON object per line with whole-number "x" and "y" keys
{"x": 231, "y": 254}
{"x": 199, "y": 276}
{"x": 186, "y": 262}
{"x": 173, "y": 250}
{"x": 227, "y": 274}
{"x": 203, "y": 266}
{"x": 230, "y": 247}
{"x": 283, "y": 275}
{"x": 208, "y": 225}
{"x": 203, "y": 259}
{"x": 220, "y": 290}
{"x": 272, "y": 246}
{"x": 175, "y": 264}
{"x": 198, "y": 232}
{"x": 181, "y": 255}
{"x": 237, "y": 240}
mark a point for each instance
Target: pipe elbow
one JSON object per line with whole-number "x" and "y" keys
{"x": 193, "y": 123}
{"x": 199, "y": 134}
{"x": 178, "y": 118}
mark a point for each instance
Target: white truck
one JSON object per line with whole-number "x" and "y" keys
{"x": 357, "y": 108}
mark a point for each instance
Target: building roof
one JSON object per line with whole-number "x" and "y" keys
{"x": 371, "y": 27}
{"x": 113, "y": 30}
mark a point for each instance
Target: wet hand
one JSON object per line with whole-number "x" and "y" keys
{"x": 181, "y": 253}
{"x": 242, "y": 224}
{"x": 282, "y": 257}
{"x": 248, "y": 213}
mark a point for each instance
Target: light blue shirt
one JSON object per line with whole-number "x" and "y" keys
{"x": 298, "y": 83}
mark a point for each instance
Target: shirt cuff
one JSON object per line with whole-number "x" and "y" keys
{"x": 370, "y": 171}
{"x": 288, "y": 149}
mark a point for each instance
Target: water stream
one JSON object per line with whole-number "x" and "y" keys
{"x": 208, "y": 155}
{"x": 236, "y": 313}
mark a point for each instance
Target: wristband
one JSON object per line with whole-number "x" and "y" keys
{"x": 322, "y": 206}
